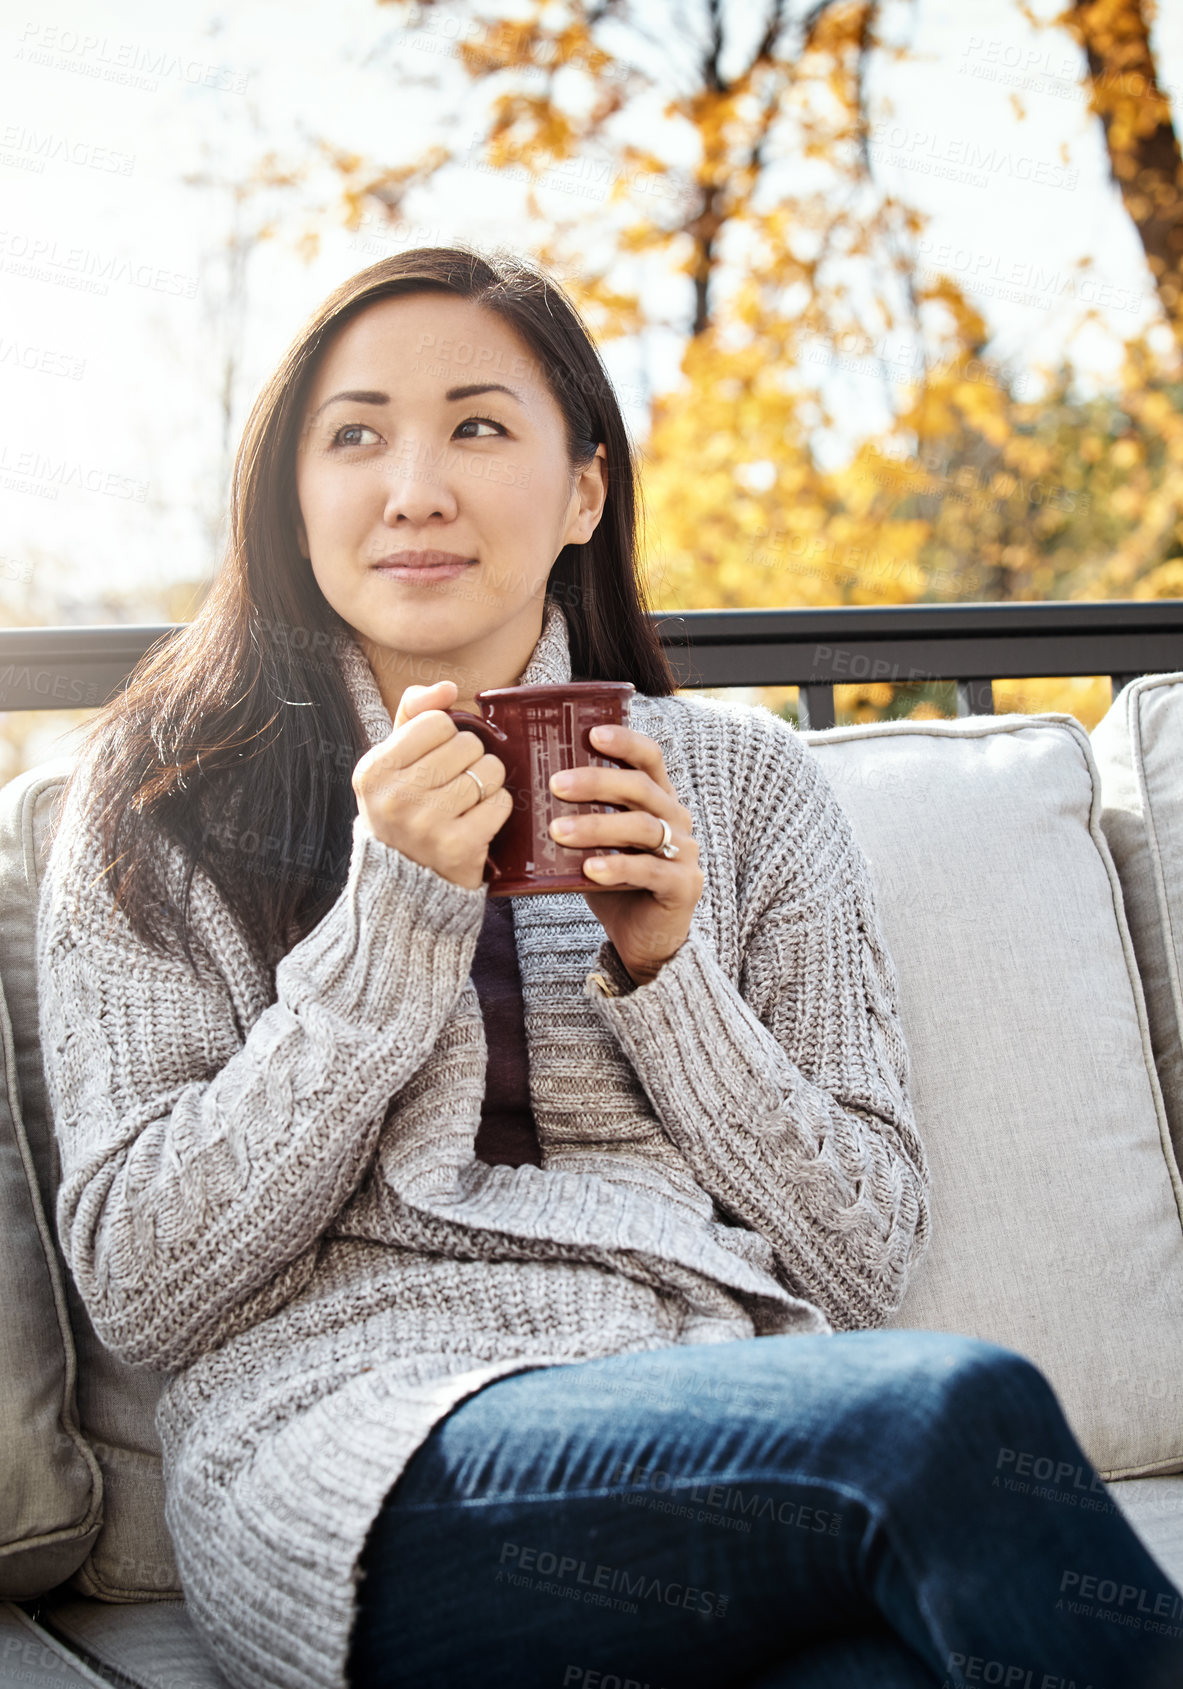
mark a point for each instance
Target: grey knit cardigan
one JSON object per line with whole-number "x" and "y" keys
{"x": 268, "y": 1185}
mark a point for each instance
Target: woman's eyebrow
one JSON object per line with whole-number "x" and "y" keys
{"x": 483, "y": 387}
{"x": 365, "y": 397}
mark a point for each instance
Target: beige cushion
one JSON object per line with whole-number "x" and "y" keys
{"x": 1138, "y": 745}
{"x": 131, "y": 1557}
{"x": 1154, "y": 1507}
{"x": 152, "y": 1645}
{"x": 1056, "y": 1198}
{"x": 31, "y": 1655}
{"x": 49, "y": 1483}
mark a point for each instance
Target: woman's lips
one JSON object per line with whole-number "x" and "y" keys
{"x": 422, "y": 572}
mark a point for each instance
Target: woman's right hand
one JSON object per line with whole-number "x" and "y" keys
{"x": 413, "y": 791}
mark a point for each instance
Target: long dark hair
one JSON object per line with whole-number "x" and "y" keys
{"x": 236, "y": 736}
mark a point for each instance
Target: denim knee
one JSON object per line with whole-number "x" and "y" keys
{"x": 976, "y": 1368}
{"x": 958, "y": 1400}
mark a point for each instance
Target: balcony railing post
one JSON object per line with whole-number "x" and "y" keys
{"x": 815, "y": 708}
{"x": 975, "y": 697}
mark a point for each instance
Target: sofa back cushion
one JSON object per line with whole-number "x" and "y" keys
{"x": 1056, "y": 1197}
{"x": 130, "y": 1556}
{"x": 1138, "y": 745}
{"x": 50, "y": 1489}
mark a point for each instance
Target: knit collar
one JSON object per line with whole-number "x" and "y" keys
{"x": 550, "y": 664}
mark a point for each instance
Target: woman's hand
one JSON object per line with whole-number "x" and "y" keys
{"x": 648, "y": 918}
{"x": 414, "y": 795}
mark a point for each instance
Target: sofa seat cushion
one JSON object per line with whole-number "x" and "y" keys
{"x": 107, "y": 1510}
{"x": 1154, "y": 1507}
{"x": 1137, "y": 746}
{"x": 1056, "y": 1199}
{"x": 141, "y": 1645}
{"x": 29, "y": 1654}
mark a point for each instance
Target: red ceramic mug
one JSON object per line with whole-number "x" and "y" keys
{"x": 536, "y": 731}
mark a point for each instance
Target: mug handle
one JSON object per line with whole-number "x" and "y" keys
{"x": 485, "y": 731}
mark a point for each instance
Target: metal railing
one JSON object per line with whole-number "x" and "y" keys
{"x": 972, "y": 644}
{"x": 815, "y": 649}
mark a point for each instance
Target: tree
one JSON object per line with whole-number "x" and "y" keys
{"x": 793, "y": 254}
{"x": 251, "y": 221}
{"x": 785, "y": 242}
{"x": 1144, "y": 156}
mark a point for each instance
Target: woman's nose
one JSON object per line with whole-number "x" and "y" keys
{"x": 420, "y": 485}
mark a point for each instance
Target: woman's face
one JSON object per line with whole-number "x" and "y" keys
{"x": 409, "y": 444}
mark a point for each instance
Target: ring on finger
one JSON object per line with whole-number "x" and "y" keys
{"x": 479, "y": 784}
{"x": 666, "y": 848}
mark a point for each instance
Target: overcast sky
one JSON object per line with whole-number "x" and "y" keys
{"x": 111, "y": 331}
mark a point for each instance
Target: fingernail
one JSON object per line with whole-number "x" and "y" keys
{"x": 562, "y": 782}
{"x": 602, "y": 735}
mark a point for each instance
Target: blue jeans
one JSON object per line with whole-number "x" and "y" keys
{"x": 825, "y": 1512}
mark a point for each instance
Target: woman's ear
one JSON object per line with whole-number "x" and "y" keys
{"x": 591, "y": 485}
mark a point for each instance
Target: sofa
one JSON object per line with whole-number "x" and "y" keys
{"x": 1030, "y": 882}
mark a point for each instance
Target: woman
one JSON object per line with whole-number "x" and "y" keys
{"x": 487, "y": 1370}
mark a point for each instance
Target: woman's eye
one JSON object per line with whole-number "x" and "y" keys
{"x": 487, "y": 420}
{"x": 354, "y": 428}
{"x": 351, "y": 428}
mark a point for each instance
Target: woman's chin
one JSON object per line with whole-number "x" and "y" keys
{"x": 426, "y": 628}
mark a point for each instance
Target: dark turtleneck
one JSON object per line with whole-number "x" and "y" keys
{"x": 507, "y": 1135}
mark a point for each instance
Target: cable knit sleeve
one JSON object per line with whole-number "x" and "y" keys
{"x": 787, "y": 1091}
{"x": 199, "y": 1168}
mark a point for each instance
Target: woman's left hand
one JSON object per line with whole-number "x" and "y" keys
{"x": 648, "y": 917}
